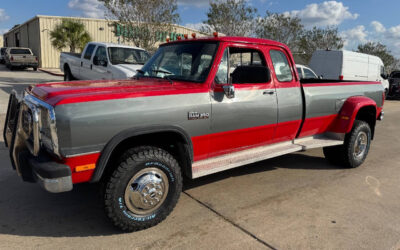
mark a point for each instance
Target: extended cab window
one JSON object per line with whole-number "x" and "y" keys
{"x": 242, "y": 65}
{"x": 309, "y": 74}
{"x": 281, "y": 66}
{"x": 89, "y": 51}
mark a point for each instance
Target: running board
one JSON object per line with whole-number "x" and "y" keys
{"x": 248, "y": 156}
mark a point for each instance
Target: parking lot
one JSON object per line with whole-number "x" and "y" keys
{"x": 291, "y": 202}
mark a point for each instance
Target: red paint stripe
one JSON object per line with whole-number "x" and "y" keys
{"x": 317, "y": 125}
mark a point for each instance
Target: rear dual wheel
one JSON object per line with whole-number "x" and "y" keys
{"x": 143, "y": 189}
{"x": 355, "y": 149}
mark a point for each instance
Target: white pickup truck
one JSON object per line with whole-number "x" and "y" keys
{"x": 103, "y": 61}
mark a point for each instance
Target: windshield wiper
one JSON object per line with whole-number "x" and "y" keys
{"x": 161, "y": 71}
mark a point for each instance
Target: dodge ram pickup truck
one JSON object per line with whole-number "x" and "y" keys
{"x": 197, "y": 107}
{"x": 103, "y": 61}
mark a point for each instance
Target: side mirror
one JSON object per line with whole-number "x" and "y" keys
{"x": 229, "y": 91}
{"x": 384, "y": 76}
{"x": 95, "y": 60}
{"x": 103, "y": 63}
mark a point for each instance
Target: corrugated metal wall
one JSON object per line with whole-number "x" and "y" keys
{"x": 28, "y": 34}
{"x": 35, "y": 34}
{"x": 100, "y": 31}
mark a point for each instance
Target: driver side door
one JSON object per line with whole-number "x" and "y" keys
{"x": 100, "y": 65}
{"x": 249, "y": 119}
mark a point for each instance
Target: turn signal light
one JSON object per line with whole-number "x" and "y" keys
{"x": 85, "y": 167}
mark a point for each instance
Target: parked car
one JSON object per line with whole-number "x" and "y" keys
{"x": 103, "y": 61}
{"x": 184, "y": 114}
{"x": 394, "y": 81}
{"x": 306, "y": 72}
{"x": 17, "y": 57}
{"x": 349, "y": 65}
{"x": 2, "y": 54}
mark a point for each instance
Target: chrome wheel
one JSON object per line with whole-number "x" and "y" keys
{"x": 146, "y": 191}
{"x": 360, "y": 145}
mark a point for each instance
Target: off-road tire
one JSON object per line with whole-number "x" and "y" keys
{"x": 343, "y": 155}
{"x": 132, "y": 162}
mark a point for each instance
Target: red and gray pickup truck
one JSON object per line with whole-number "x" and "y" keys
{"x": 197, "y": 107}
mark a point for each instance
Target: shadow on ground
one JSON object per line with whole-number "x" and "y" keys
{"x": 27, "y": 210}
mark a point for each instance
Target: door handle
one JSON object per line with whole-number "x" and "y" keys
{"x": 269, "y": 92}
{"x": 91, "y": 66}
{"x": 81, "y": 64}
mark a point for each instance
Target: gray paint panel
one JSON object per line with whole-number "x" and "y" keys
{"x": 290, "y": 104}
{"x": 249, "y": 108}
{"x": 328, "y": 100}
{"x": 88, "y": 126}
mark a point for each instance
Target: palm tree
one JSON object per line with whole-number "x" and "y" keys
{"x": 70, "y": 34}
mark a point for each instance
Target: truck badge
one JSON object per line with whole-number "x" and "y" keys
{"x": 197, "y": 115}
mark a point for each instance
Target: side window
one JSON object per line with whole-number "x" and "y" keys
{"x": 89, "y": 51}
{"x": 222, "y": 73}
{"x": 309, "y": 74}
{"x": 281, "y": 66}
{"x": 244, "y": 66}
{"x": 101, "y": 54}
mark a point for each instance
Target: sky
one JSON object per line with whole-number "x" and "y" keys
{"x": 359, "y": 21}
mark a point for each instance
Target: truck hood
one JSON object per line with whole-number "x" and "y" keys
{"x": 86, "y": 91}
{"x": 128, "y": 69}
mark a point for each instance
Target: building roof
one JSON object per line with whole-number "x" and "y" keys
{"x": 87, "y": 19}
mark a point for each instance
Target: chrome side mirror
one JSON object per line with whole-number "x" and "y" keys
{"x": 229, "y": 91}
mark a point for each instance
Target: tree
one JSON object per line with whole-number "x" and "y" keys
{"x": 318, "y": 38}
{"x": 69, "y": 34}
{"x": 379, "y": 50}
{"x": 230, "y": 17}
{"x": 143, "y": 19}
{"x": 281, "y": 28}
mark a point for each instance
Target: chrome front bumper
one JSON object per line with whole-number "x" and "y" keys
{"x": 22, "y": 135}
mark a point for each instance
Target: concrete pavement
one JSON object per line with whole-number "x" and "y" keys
{"x": 298, "y": 201}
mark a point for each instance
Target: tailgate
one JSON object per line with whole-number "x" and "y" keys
{"x": 24, "y": 58}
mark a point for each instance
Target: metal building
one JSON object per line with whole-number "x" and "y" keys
{"x": 35, "y": 34}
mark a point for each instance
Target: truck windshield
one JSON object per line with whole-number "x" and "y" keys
{"x": 181, "y": 61}
{"x": 120, "y": 55}
{"x": 20, "y": 51}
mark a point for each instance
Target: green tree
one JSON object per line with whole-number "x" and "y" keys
{"x": 318, "y": 38}
{"x": 380, "y": 50}
{"x": 230, "y": 17}
{"x": 143, "y": 19}
{"x": 281, "y": 28}
{"x": 69, "y": 34}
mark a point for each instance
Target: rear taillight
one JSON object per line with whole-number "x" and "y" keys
{"x": 341, "y": 77}
{"x": 12, "y": 58}
{"x": 36, "y": 58}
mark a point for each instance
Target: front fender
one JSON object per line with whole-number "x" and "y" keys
{"x": 348, "y": 113}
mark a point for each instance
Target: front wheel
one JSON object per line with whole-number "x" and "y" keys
{"x": 143, "y": 189}
{"x": 355, "y": 149}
